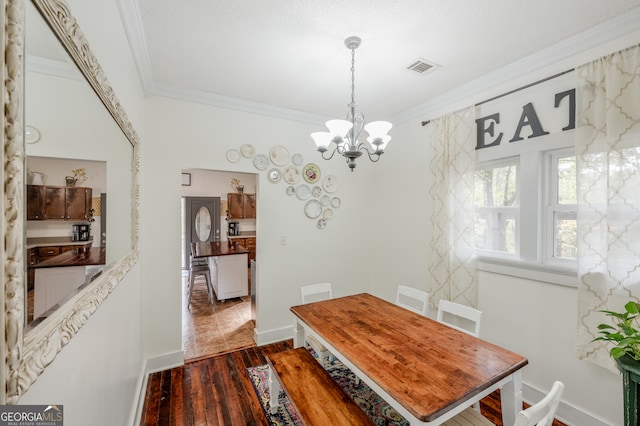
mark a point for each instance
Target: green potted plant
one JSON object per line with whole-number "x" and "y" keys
{"x": 625, "y": 335}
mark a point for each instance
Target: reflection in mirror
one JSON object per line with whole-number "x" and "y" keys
{"x": 47, "y": 105}
{"x": 79, "y": 144}
{"x": 203, "y": 224}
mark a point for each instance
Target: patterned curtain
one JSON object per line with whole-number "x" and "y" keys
{"x": 608, "y": 187}
{"x": 452, "y": 272}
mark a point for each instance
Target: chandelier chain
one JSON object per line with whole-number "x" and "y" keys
{"x": 353, "y": 77}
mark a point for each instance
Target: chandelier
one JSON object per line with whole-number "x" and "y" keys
{"x": 345, "y": 133}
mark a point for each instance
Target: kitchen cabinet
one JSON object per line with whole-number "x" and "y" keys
{"x": 249, "y": 244}
{"x": 41, "y": 253}
{"x": 58, "y": 202}
{"x": 231, "y": 276}
{"x": 241, "y": 206}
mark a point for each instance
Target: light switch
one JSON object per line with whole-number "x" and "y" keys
{"x": 283, "y": 241}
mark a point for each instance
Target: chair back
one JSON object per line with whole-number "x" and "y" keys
{"x": 315, "y": 292}
{"x": 460, "y": 317}
{"x": 412, "y": 299}
{"x": 541, "y": 414}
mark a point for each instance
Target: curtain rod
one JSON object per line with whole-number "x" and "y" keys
{"x": 526, "y": 86}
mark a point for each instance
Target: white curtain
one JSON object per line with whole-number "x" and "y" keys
{"x": 608, "y": 187}
{"x": 451, "y": 265}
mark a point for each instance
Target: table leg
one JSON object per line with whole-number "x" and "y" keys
{"x": 511, "y": 398}
{"x": 274, "y": 391}
{"x": 298, "y": 334}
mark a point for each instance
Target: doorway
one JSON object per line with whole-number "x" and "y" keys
{"x": 209, "y": 329}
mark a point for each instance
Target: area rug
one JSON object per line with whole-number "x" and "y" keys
{"x": 380, "y": 412}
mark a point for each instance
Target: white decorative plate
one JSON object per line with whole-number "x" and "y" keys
{"x": 247, "y": 150}
{"x": 330, "y": 184}
{"x": 291, "y": 190}
{"x": 279, "y": 155}
{"x": 311, "y": 173}
{"x": 291, "y": 175}
{"x": 316, "y": 191}
{"x": 325, "y": 200}
{"x": 297, "y": 159}
{"x": 313, "y": 209}
{"x": 322, "y": 223}
{"x": 261, "y": 162}
{"x": 303, "y": 192}
{"x": 335, "y": 202}
{"x": 274, "y": 175}
{"x": 327, "y": 214}
{"x": 233, "y": 155}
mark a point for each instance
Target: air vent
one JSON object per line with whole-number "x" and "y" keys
{"x": 423, "y": 67}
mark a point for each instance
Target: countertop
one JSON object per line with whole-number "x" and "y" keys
{"x": 85, "y": 257}
{"x": 221, "y": 248}
{"x": 243, "y": 234}
{"x": 54, "y": 241}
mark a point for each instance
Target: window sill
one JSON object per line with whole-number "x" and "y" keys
{"x": 531, "y": 271}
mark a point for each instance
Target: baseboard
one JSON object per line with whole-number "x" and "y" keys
{"x": 272, "y": 336}
{"x": 567, "y": 413}
{"x": 152, "y": 365}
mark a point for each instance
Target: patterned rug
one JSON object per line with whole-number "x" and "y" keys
{"x": 381, "y": 413}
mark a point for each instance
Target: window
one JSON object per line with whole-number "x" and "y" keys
{"x": 526, "y": 208}
{"x": 496, "y": 208}
{"x": 562, "y": 208}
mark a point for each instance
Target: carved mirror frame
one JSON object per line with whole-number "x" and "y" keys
{"x": 27, "y": 355}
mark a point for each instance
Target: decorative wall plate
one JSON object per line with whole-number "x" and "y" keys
{"x": 291, "y": 175}
{"x": 274, "y": 175}
{"x": 330, "y": 184}
{"x": 327, "y": 214}
{"x": 316, "y": 191}
{"x": 291, "y": 190}
{"x": 335, "y": 202}
{"x": 233, "y": 155}
{"x": 261, "y": 162}
{"x": 311, "y": 173}
{"x": 303, "y": 192}
{"x": 325, "y": 200}
{"x": 247, "y": 150}
{"x": 313, "y": 209}
{"x": 279, "y": 155}
{"x": 32, "y": 135}
{"x": 322, "y": 223}
{"x": 297, "y": 159}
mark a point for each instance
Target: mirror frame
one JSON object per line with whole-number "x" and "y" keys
{"x": 27, "y": 355}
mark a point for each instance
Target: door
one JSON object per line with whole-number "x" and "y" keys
{"x": 202, "y": 222}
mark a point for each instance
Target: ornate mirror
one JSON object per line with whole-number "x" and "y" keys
{"x": 102, "y": 141}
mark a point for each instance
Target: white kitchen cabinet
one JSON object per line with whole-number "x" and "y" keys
{"x": 229, "y": 275}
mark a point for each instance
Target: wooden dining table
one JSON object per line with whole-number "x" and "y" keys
{"x": 426, "y": 370}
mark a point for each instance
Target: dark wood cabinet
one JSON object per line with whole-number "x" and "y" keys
{"x": 58, "y": 202}
{"x": 241, "y": 206}
{"x": 35, "y": 202}
{"x": 249, "y": 244}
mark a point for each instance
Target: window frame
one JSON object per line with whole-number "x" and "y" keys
{"x": 531, "y": 262}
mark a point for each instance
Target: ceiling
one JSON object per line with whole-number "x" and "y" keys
{"x": 287, "y": 58}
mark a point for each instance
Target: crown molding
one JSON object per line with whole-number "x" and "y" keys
{"x": 134, "y": 28}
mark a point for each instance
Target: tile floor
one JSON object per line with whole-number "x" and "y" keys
{"x": 213, "y": 329}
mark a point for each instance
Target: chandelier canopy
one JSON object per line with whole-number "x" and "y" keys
{"x": 345, "y": 133}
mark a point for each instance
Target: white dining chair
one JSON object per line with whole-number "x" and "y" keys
{"x": 316, "y": 293}
{"x": 542, "y": 413}
{"x": 460, "y": 317}
{"x": 412, "y": 299}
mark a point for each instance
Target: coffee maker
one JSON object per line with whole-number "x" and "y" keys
{"x": 81, "y": 232}
{"x": 234, "y": 228}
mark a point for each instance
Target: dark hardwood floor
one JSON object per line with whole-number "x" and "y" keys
{"x": 217, "y": 391}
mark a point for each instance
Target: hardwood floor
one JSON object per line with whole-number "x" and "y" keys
{"x": 217, "y": 391}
